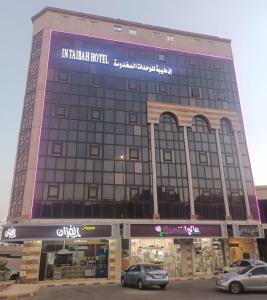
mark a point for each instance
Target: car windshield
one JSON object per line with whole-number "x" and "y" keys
{"x": 152, "y": 267}
{"x": 245, "y": 270}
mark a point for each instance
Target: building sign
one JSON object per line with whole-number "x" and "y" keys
{"x": 255, "y": 231}
{"x": 177, "y": 230}
{"x": 56, "y": 232}
{"x": 100, "y": 58}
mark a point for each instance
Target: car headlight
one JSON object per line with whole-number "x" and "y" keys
{"x": 222, "y": 280}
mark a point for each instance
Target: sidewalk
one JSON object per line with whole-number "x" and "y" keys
{"x": 18, "y": 291}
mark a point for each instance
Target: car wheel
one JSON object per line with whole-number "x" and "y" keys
{"x": 140, "y": 284}
{"x": 123, "y": 282}
{"x": 236, "y": 287}
{"x": 163, "y": 286}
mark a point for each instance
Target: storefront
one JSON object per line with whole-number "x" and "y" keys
{"x": 68, "y": 251}
{"x": 181, "y": 249}
{"x": 243, "y": 244}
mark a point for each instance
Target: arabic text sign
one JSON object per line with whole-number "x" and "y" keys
{"x": 55, "y": 232}
{"x": 248, "y": 230}
{"x": 103, "y": 59}
{"x": 175, "y": 230}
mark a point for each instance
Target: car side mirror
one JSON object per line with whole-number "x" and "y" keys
{"x": 249, "y": 274}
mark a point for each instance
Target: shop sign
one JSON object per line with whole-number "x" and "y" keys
{"x": 101, "y": 58}
{"x": 56, "y": 232}
{"x": 250, "y": 231}
{"x": 176, "y": 230}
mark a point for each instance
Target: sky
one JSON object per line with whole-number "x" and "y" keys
{"x": 242, "y": 21}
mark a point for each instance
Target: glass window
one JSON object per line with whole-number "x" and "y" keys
{"x": 57, "y": 148}
{"x": 229, "y": 159}
{"x": 60, "y": 111}
{"x": 132, "y": 32}
{"x": 117, "y": 28}
{"x": 94, "y": 150}
{"x": 62, "y": 76}
{"x": 203, "y": 158}
{"x": 259, "y": 271}
{"x": 133, "y": 117}
{"x": 53, "y": 191}
{"x": 134, "y": 153}
{"x": 161, "y": 57}
{"x": 220, "y": 95}
{"x": 95, "y": 114}
{"x": 167, "y": 154}
{"x": 170, "y": 38}
{"x": 195, "y": 92}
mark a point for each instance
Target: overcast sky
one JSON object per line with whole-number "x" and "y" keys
{"x": 242, "y": 21}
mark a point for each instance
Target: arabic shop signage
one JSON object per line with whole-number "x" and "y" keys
{"x": 101, "y": 58}
{"x": 175, "y": 230}
{"x": 55, "y": 232}
{"x": 248, "y": 230}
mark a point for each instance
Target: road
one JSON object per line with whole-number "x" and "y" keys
{"x": 183, "y": 290}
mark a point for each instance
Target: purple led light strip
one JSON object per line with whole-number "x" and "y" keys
{"x": 143, "y": 45}
{"x": 42, "y": 114}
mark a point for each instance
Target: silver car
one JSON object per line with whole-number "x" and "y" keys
{"x": 251, "y": 278}
{"x": 143, "y": 275}
{"x": 242, "y": 264}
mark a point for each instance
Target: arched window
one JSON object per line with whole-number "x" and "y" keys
{"x": 200, "y": 124}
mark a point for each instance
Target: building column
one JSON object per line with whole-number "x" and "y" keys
{"x": 249, "y": 216}
{"x": 154, "y": 172}
{"x": 225, "y": 198}
{"x": 189, "y": 175}
{"x": 30, "y": 261}
{"x": 114, "y": 266}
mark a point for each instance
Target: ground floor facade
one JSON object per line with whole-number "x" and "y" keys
{"x": 56, "y": 252}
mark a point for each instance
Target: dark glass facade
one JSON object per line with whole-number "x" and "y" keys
{"x": 95, "y": 159}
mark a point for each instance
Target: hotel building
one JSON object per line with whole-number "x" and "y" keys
{"x": 131, "y": 149}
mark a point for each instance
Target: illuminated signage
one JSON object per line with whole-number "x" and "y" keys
{"x": 165, "y": 230}
{"x": 57, "y": 232}
{"x": 68, "y": 232}
{"x": 10, "y": 233}
{"x": 176, "y": 230}
{"x": 121, "y": 64}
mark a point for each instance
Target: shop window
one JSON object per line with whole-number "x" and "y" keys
{"x": 134, "y": 153}
{"x": 195, "y": 92}
{"x": 132, "y": 31}
{"x": 132, "y": 84}
{"x": 220, "y": 95}
{"x": 117, "y": 28}
{"x": 133, "y": 117}
{"x": 161, "y": 57}
{"x": 57, "y": 149}
{"x": 53, "y": 191}
{"x": 229, "y": 159}
{"x": 92, "y": 192}
{"x": 60, "y": 111}
{"x": 94, "y": 150}
{"x": 62, "y": 76}
{"x": 95, "y": 114}
{"x": 203, "y": 158}
{"x": 167, "y": 155}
